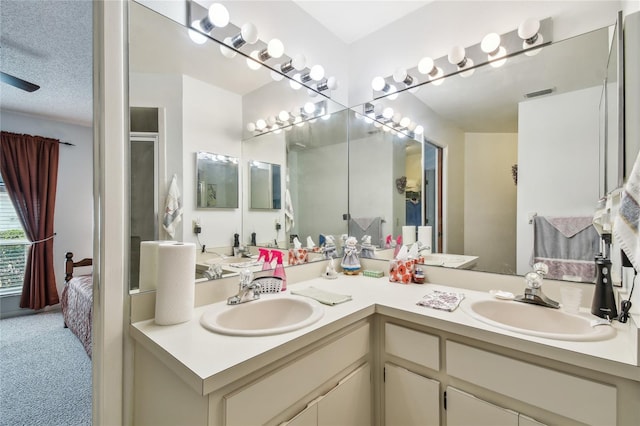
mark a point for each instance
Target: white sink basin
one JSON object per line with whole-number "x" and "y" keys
{"x": 262, "y": 317}
{"x": 538, "y": 321}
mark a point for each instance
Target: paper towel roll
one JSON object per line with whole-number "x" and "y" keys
{"x": 176, "y": 270}
{"x": 425, "y": 236}
{"x": 149, "y": 265}
{"x": 408, "y": 235}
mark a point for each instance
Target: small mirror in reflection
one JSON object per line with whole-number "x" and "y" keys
{"x": 216, "y": 181}
{"x": 264, "y": 186}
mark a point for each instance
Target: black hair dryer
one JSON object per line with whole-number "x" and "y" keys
{"x": 604, "y": 302}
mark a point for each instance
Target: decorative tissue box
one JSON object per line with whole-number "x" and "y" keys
{"x": 401, "y": 271}
{"x": 298, "y": 256}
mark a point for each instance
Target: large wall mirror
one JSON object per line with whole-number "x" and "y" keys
{"x": 499, "y": 148}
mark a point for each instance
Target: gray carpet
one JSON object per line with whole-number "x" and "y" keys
{"x": 45, "y": 374}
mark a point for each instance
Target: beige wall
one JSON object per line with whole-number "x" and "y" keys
{"x": 490, "y": 200}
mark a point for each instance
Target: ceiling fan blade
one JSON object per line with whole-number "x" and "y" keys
{"x": 18, "y": 82}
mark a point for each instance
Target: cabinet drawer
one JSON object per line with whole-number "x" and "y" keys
{"x": 261, "y": 400}
{"x": 574, "y": 397}
{"x": 412, "y": 345}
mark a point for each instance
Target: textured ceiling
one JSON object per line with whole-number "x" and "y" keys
{"x": 48, "y": 43}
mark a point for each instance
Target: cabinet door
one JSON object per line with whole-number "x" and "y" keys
{"x": 410, "y": 399}
{"x": 349, "y": 403}
{"x": 307, "y": 417}
{"x": 464, "y": 409}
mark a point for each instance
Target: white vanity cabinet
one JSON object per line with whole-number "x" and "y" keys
{"x": 331, "y": 377}
{"x": 349, "y": 403}
{"x": 464, "y": 409}
{"x": 410, "y": 399}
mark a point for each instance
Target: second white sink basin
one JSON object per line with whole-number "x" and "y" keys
{"x": 262, "y": 317}
{"x": 538, "y": 321}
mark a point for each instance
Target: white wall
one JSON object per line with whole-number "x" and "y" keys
{"x": 562, "y": 145}
{"x": 74, "y": 195}
{"x": 212, "y": 122}
{"x": 490, "y": 200}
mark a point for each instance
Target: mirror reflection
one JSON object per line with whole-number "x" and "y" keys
{"x": 494, "y": 151}
{"x": 264, "y": 185}
{"x": 216, "y": 181}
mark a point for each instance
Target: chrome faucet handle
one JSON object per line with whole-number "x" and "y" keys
{"x": 533, "y": 279}
{"x": 541, "y": 268}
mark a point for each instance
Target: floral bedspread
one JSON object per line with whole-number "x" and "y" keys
{"x": 77, "y": 308}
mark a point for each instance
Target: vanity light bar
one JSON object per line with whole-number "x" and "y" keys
{"x": 391, "y": 120}
{"x": 285, "y": 120}
{"x": 529, "y": 38}
{"x": 236, "y": 40}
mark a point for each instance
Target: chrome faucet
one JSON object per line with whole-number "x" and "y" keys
{"x": 248, "y": 289}
{"x": 214, "y": 272}
{"x": 533, "y": 293}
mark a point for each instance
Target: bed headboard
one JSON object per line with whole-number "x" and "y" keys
{"x": 69, "y": 264}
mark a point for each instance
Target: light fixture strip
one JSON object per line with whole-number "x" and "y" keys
{"x": 510, "y": 41}
{"x": 196, "y": 11}
{"x": 319, "y": 109}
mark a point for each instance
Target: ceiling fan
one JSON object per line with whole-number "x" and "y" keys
{"x": 18, "y": 82}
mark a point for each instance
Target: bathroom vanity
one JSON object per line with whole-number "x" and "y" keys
{"x": 381, "y": 359}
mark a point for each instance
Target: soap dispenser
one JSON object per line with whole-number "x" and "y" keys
{"x": 263, "y": 254}
{"x": 279, "y": 272}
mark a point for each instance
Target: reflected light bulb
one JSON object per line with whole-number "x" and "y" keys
{"x": 393, "y": 93}
{"x": 251, "y": 127}
{"x": 196, "y": 36}
{"x": 260, "y": 124}
{"x": 437, "y": 79}
{"x": 397, "y": 117}
{"x": 227, "y": 52}
{"x": 253, "y": 64}
{"x": 498, "y": 59}
{"x": 326, "y": 116}
{"x": 312, "y": 93}
{"x": 309, "y": 107}
{"x": 276, "y": 76}
{"x": 405, "y": 121}
{"x": 284, "y": 115}
{"x": 418, "y": 130}
{"x": 387, "y": 113}
{"x": 295, "y": 82}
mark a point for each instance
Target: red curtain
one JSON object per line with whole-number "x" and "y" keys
{"x": 29, "y": 166}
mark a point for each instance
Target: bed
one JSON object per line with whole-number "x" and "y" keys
{"x": 77, "y": 301}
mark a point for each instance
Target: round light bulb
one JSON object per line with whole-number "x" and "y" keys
{"x": 405, "y": 121}
{"x": 456, "y": 55}
{"x": 468, "y": 72}
{"x": 275, "y": 48}
{"x": 253, "y": 64}
{"x": 400, "y": 135}
{"x": 295, "y": 82}
{"x": 227, "y": 52}
{"x": 399, "y": 75}
{"x": 490, "y": 43}
{"x": 397, "y": 117}
{"x": 196, "y": 36}
{"x": 378, "y": 84}
{"x": 298, "y": 121}
{"x": 271, "y": 120}
{"x": 528, "y": 28}
{"x": 332, "y": 83}
{"x": 218, "y": 15}
{"x": 309, "y": 107}
{"x": 412, "y": 126}
{"x": 499, "y": 58}
{"x": 418, "y": 130}
{"x": 368, "y": 120}
{"x": 251, "y": 127}
{"x": 392, "y": 92}
{"x": 426, "y": 65}
{"x": 275, "y": 128}
{"x": 387, "y": 113}
{"x": 284, "y": 115}
{"x": 249, "y": 33}
{"x": 299, "y": 62}
{"x": 276, "y": 76}
{"x": 316, "y": 73}
{"x": 260, "y": 124}
{"x": 386, "y": 128}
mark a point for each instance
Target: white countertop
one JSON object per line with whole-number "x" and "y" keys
{"x": 206, "y": 360}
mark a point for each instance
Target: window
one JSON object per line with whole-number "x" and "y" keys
{"x": 13, "y": 245}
